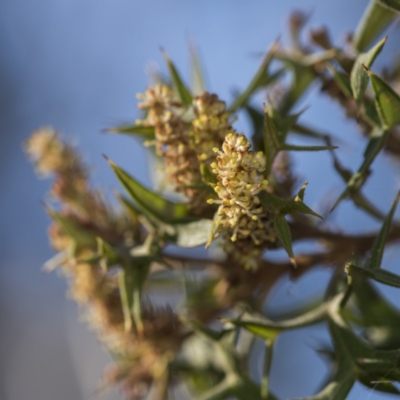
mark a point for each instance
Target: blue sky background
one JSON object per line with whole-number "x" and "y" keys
{"x": 77, "y": 65}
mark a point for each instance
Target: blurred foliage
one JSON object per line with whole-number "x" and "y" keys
{"x": 242, "y": 203}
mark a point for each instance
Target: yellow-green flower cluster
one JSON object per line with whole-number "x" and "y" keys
{"x": 240, "y": 179}
{"x": 211, "y": 125}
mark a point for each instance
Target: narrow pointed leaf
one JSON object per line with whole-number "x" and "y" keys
{"x": 293, "y": 147}
{"x": 267, "y": 329}
{"x": 272, "y": 144}
{"x": 305, "y": 130}
{"x": 379, "y": 245}
{"x": 154, "y": 204}
{"x": 126, "y": 289}
{"x": 82, "y": 237}
{"x": 303, "y": 77}
{"x": 181, "y": 90}
{"x": 141, "y": 130}
{"x": 374, "y": 20}
{"x": 284, "y": 235}
{"x": 374, "y": 146}
{"x": 379, "y": 275}
{"x": 260, "y": 79}
{"x": 358, "y": 198}
{"x": 358, "y": 76}
{"x": 393, "y": 5}
{"x": 342, "y": 80}
{"x": 131, "y": 280}
{"x": 269, "y": 352}
{"x": 387, "y": 101}
{"x": 198, "y": 84}
{"x": 380, "y": 386}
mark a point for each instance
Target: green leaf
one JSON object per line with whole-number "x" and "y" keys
{"x": 358, "y": 198}
{"x": 337, "y": 389}
{"x": 131, "y": 279}
{"x": 302, "y": 80}
{"x": 380, "y": 318}
{"x": 130, "y": 208}
{"x": 109, "y": 257}
{"x": 198, "y": 85}
{"x": 374, "y": 146}
{"x": 374, "y": 20}
{"x": 283, "y": 232}
{"x": 293, "y": 147}
{"x": 83, "y": 238}
{"x": 393, "y": 5}
{"x": 283, "y": 206}
{"x": 154, "y": 204}
{"x": 193, "y": 234}
{"x": 271, "y": 141}
{"x": 341, "y": 79}
{"x": 387, "y": 101}
{"x": 297, "y": 205}
{"x": 307, "y": 131}
{"x": 260, "y": 79}
{"x": 380, "y": 386}
{"x": 126, "y": 284}
{"x": 269, "y": 351}
{"x": 379, "y": 245}
{"x": 269, "y": 330}
{"x": 181, "y": 90}
{"x": 145, "y": 131}
{"x": 379, "y": 275}
{"x": 358, "y": 76}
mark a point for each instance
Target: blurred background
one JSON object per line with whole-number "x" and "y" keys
{"x": 77, "y": 65}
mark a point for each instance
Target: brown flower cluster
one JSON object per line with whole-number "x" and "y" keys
{"x": 185, "y": 142}
{"x": 143, "y": 354}
{"x": 212, "y": 123}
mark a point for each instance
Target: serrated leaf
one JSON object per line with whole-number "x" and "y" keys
{"x": 260, "y": 79}
{"x": 387, "y": 101}
{"x": 193, "y": 234}
{"x": 180, "y": 88}
{"x": 151, "y": 202}
{"x": 374, "y": 20}
{"x": 284, "y": 235}
{"x": 379, "y": 275}
{"x": 379, "y": 245}
{"x": 358, "y": 76}
{"x": 145, "y": 131}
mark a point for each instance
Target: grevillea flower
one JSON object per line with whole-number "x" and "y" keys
{"x": 211, "y": 125}
{"x": 240, "y": 180}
